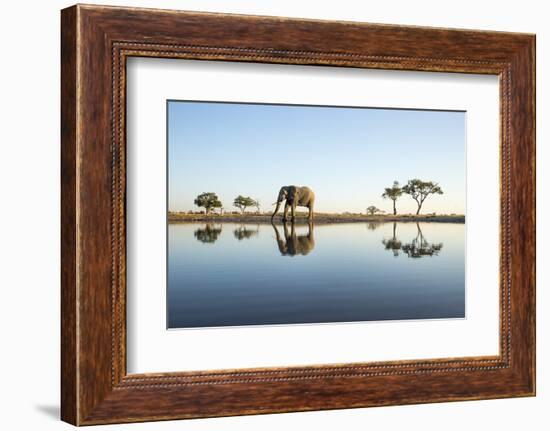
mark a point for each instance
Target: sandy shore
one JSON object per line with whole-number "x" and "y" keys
{"x": 319, "y": 218}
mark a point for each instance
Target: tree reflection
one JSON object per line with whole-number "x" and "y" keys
{"x": 373, "y": 225}
{"x": 243, "y": 232}
{"x": 420, "y": 247}
{"x": 209, "y": 234}
{"x": 292, "y": 244}
{"x": 417, "y": 248}
{"x": 393, "y": 243}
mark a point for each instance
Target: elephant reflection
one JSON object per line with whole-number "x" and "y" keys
{"x": 209, "y": 234}
{"x": 293, "y": 244}
{"x": 417, "y": 248}
{"x": 243, "y": 232}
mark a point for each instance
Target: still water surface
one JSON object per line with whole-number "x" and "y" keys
{"x": 225, "y": 274}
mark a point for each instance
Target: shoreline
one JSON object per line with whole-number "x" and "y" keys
{"x": 318, "y": 219}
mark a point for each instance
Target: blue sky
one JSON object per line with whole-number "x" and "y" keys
{"x": 346, "y": 155}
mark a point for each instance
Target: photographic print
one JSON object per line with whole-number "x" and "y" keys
{"x": 298, "y": 214}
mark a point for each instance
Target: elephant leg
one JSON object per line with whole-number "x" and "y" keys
{"x": 293, "y": 210}
{"x": 292, "y": 241}
{"x": 285, "y": 214}
{"x": 310, "y": 215}
{"x": 287, "y": 234}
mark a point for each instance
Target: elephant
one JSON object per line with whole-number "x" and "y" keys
{"x": 293, "y": 244}
{"x": 295, "y": 196}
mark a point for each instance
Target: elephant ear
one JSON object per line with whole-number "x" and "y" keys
{"x": 292, "y": 192}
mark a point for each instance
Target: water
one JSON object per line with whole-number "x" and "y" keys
{"x": 227, "y": 274}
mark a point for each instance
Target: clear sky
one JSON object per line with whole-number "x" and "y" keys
{"x": 346, "y": 155}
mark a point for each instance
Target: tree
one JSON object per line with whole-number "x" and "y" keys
{"x": 208, "y": 201}
{"x": 419, "y": 190}
{"x": 393, "y": 193}
{"x": 373, "y": 210}
{"x": 257, "y": 205}
{"x": 242, "y": 203}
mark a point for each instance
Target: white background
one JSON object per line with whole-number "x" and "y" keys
{"x": 151, "y": 348}
{"x": 29, "y": 224}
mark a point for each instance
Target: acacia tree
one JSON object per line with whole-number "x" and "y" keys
{"x": 419, "y": 190}
{"x": 208, "y": 201}
{"x": 257, "y": 205}
{"x": 242, "y": 203}
{"x": 393, "y": 193}
{"x": 373, "y": 210}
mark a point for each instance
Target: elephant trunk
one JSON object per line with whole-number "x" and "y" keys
{"x": 276, "y": 209}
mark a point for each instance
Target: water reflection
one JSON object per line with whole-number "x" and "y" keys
{"x": 242, "y": 232}
{"x": 209, "y": 234}
{"x": 292, "y": 244}
{"x": 349, "y": 276}
{"x": 393, "y": 243}
{"x": 418, "y": 247}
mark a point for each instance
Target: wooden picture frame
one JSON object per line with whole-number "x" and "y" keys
{"x": 95, "y": 43}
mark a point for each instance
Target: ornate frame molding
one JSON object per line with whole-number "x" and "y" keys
{"x": 96, "y": 41}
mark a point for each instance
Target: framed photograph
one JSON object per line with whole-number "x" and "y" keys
{"x": 263, "y": 214}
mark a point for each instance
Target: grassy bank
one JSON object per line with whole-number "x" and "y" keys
{"x": 174, "y": 217}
